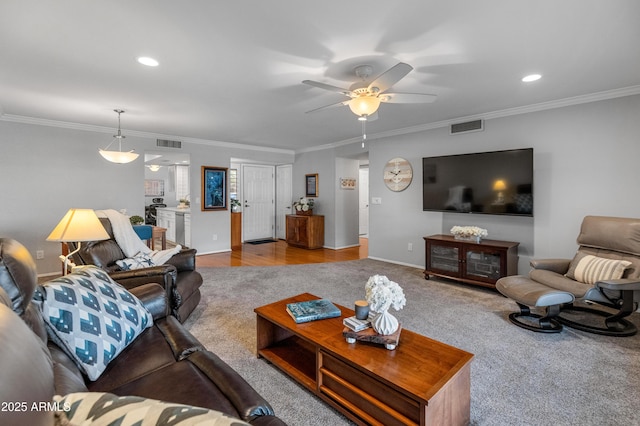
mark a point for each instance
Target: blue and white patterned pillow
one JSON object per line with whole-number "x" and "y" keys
{"x": 139, "y": 261}
{"x": 91, "y": 317}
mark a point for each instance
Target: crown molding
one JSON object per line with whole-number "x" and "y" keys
{"x": 542, "y": 106}
{"x": 101, "y": 129}
{"x": 559, "y": 103}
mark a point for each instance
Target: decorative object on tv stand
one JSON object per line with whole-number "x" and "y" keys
{"x": 304, "y": 206}
{"x": 382, "y": 294}
{"x": 118, "y": 156}
{"x": 469, "y": 233}
{"x": 78, "y": 225}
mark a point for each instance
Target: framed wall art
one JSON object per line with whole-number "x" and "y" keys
{"x": 348, "y": 183}
{"x": 214, "y": 188}
{"x": 311, "y": 185}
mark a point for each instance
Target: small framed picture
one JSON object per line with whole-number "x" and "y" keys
{"x": 214, "y": 188}
{"x": 347, "y": 183}
{"x": 311, "y": 183}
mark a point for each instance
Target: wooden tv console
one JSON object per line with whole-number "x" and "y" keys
{"x": 421, "y": 382}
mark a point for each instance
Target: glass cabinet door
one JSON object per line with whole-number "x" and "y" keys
{"x": 484, "y": 266}
{"x": 444, "y": 258}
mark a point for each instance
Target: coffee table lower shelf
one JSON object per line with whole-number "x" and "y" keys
{"x": 421, "y": 382}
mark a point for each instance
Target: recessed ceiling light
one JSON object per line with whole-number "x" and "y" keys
{"x": 150, "y": 62}
{"x": 531, "y": 77}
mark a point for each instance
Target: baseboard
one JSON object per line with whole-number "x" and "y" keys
{"x": 213, "y": 252}
{"x": 396, "y": 262}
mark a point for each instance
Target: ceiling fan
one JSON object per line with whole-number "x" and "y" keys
{"x": 365, "y": 98}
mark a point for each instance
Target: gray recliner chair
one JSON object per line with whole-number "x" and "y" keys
{"x": 605, "y": 272}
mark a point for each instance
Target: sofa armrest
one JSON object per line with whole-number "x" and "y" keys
{"x": 185, "y": 260}
{"x": 621, "y": 284}
{"x": 154, "y": 298}
{"x": 249, "y": 404}
{"x": 560, "y": 266}
{"x": 181, "y": 341}
{"x": 165, "y": 275}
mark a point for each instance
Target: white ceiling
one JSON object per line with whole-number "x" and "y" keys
{"x": 232, "y": 71}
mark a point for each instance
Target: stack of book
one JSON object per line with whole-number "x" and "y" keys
{"x": 355, "y": 324}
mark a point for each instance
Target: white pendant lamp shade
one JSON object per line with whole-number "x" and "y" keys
{"x": 119, "y": 156}
{"x": 364, "y": 105}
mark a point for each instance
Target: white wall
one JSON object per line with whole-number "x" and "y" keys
{"x": 47, "y": 170}
{"x": 585, "y": 163}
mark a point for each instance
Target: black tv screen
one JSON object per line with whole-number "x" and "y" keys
{"x": 498, "y": 182}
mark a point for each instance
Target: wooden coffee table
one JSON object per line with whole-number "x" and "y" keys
{"x": 422, "y": 381}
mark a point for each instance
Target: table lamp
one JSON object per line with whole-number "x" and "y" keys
{"x": 78, "y": 225}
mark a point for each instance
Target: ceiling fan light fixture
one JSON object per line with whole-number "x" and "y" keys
{"x": 118, "y": 156}
{"x": 364, "y": 105}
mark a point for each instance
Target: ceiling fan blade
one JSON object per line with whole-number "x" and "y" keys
{"x": 328, "y": 87}
{"x": 407, "y": 98}
{"x": 329, "y": 106}
{"x": 390, "y": 77}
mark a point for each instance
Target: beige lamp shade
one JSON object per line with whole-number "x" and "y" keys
{"x": 79, "y": 225}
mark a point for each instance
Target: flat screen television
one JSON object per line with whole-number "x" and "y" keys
{"x": 498, "y": 182}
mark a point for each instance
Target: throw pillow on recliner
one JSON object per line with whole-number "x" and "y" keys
{"x": 589, "y": 269}
{"x": 91, "y": 317}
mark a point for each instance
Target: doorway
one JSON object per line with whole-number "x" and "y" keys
{"x": 166, "y": 182}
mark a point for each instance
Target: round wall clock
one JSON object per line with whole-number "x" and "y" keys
{"x": 398, "y": 174}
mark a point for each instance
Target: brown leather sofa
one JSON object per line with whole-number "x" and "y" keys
{"x": 178, "y": 276}
{"x": 164, "y": 363}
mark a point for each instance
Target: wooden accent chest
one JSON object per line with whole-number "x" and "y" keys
{"x": 305, "y": 231}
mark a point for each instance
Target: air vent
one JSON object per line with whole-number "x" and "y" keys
{"x": 168, "y": 144}
{"x": 469, "y": 126}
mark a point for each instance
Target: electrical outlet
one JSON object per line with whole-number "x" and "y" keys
{"x": 410, "y": 247}
{"x": 215, "y": 237}
{"x": 39, "y": 254}
{"x": 376, "y": 200}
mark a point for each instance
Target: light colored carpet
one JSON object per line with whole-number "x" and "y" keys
{"x": 518, "y": 377}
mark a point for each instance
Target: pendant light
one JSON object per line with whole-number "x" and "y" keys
{"x": 118, "y": 156}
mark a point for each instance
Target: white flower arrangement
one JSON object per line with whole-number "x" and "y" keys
{"x": 382, "y": 294}
{"x": 469, "y": 231}
{"x": 303, "y": 204}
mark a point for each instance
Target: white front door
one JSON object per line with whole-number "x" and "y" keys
{"x": 363, "y": 196}
{"x": 258, "y": 210}
{"x": 283, "y": 199}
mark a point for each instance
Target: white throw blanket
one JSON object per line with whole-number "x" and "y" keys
{"x": 129, "y": 241}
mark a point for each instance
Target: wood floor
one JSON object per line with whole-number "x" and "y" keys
{"x": 279, "y": 253}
